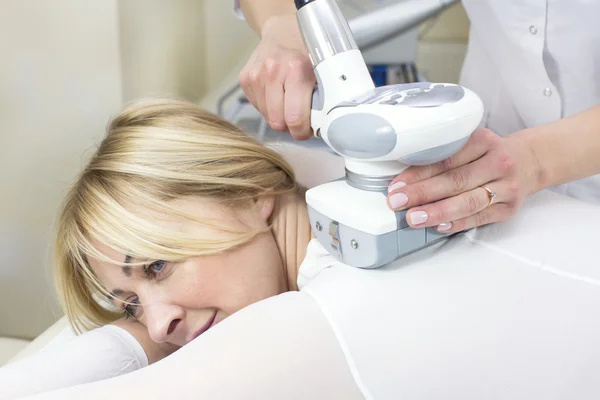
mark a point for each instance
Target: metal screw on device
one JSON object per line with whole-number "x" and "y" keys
{"x": 318, "y": 226}
{"x": 354, "y": 244}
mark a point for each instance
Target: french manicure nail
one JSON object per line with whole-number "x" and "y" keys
{"x": 396, "y": 185}
{"x": 398, "y": 200}
{"x": 418, "y": 217}
{"x": 444, "y": 226}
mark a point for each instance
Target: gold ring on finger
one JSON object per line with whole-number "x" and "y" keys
{"x": 491, "y": 194}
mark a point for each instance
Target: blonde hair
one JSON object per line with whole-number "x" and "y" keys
{"x": 154, "y": 152}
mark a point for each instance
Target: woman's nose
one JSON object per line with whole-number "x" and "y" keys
{"x": 162, "y": 321}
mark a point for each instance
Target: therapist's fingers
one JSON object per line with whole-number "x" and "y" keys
{"x": 299, "y": 86}
{"x": 258, "y": 82}
{"x": 453, "y": 214}
{"x": 448, "y": 184}
{"x": 495, "y": 213}
{"x": 480, "y": 142}
{"x": 244, "y": 78}
{"x": 274, "y": 97}
{"x": 278, "y": 78}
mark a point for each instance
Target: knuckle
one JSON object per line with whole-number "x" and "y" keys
{"x": 419, "y": 194}
{"x": 244, "y": 77}
{"x": 513, "y": 189}
{"x": 482, "y": 219}
{"x": 480, "y": 134}
{"x": 254, "y": 77}
{"x": 415, "y": 174}
{"x": 487, "y": 138}
{"x": 458, "y": 226}
{"x": 448, "y": 164}
{"x": 440, "y": 214}
{"x": 458, "y": 180}
{"x": 298, "y": 64}
{"x": 472, "y": 203}
{"x": 271, "y": 67}
{"x": 487, "y": 134}
{"x": 507, "y": 164}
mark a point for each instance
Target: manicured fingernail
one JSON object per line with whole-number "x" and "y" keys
{"x": 444, "y": 226}
{"x": 396, "y": 185}
{"x": 418, "y": 217}
{"x": 398, "y": 200}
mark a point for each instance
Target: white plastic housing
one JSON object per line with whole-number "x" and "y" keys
{"x": 363, "y": 210}
{"x": 418, "y": 128}
{"x": 340, "y": 78}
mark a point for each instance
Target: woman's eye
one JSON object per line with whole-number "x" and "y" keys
{"x": 131, "y": 308}
{"x": 154, "y": 268}
{"x": 157, "y": 266}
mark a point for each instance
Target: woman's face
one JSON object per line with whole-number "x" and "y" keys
{"x": 178, "y": 302}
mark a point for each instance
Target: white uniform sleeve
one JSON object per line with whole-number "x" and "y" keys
{"x": 237, "y": 10}
{"x": 92, "y": 356}
{"x": 278, "y": 348}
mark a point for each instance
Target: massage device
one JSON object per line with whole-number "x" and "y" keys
{"x": 379, "y": 131}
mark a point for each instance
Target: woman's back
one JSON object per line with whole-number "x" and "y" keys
{"x": 506, "y": 311}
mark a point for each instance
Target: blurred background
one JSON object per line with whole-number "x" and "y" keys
{"x": 67, "y": 66}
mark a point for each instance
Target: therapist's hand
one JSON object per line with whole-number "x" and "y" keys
{"x": 449, "y": 195}
{"x": 278, "y": 79}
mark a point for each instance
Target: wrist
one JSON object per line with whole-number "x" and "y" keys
{"x": 261, "y": 14}
{"x": 534, "y": 171}
{"x": 278, "y": 24}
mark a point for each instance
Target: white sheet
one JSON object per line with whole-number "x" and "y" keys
{"x": 69, "y": 360}
{"x": 281, "y": 348}
{"x": 508, "y": 311}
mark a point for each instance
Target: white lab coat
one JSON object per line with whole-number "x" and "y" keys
{"x": 533, "y": 62}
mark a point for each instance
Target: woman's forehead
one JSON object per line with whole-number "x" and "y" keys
{"x": 99, "y": 266}
{"x": 107, "y": 251}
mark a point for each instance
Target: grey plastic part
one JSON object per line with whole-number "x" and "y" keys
{"x": 435, "y": 96}
{"x": 401, "y": 219}
{"x": 372, "y": 250}
{"x": 433, "y": 235}
{"x": 362, "y": 136}
{"x": 369, "y": 251}
{"x": 417, "y": 95}
{"x": 434, "y": 154}
{"x": 410, "y": 239}
{"x": 369, "y": 183}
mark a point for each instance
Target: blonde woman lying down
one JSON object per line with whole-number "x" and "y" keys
{"x": 185, "y": 236}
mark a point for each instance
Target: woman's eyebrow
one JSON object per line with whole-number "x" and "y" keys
{"x": 127, "y": 269}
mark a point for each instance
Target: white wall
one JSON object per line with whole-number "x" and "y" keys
{"x": 443, "y": 45}
{"x": 227, "y": 41}
{"x": 182, "y": 48}
{"x": 163, "y": 48}
{"x": 59, "y": 84}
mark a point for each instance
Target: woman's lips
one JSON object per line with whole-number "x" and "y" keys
{"x": 205, "y": 327}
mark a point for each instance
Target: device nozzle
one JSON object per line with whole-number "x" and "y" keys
{"x": 302, "y": 3}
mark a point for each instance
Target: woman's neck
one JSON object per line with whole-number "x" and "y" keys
{"x": 291, "y": 230}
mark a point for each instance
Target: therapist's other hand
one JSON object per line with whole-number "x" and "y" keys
{"x": 278, "y": 78}
{"x": 449, "y": 195}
